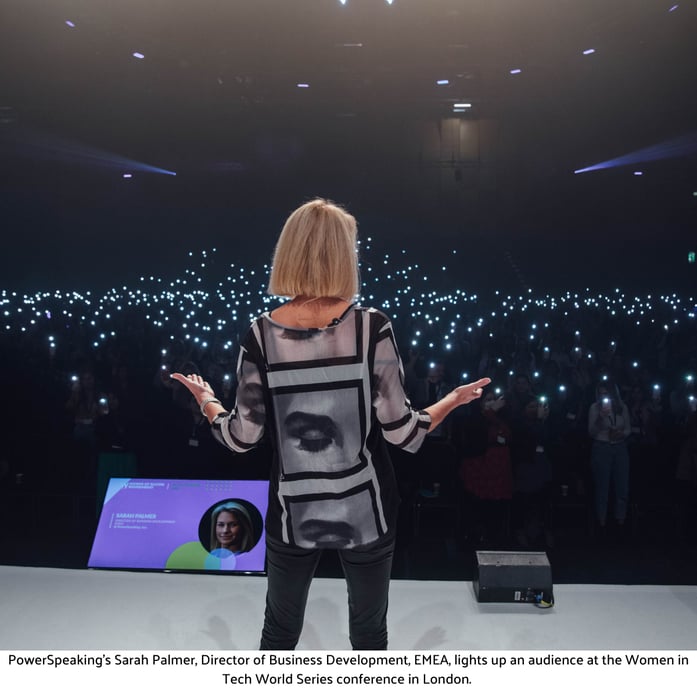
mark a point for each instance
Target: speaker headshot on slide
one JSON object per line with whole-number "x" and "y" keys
{"x": 230, "y": 526}
{"x": 321, "y": 378}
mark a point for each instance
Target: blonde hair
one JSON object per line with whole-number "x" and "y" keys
{"x": 316, "y": 253}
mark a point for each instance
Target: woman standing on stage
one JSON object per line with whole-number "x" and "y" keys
{"x": 321, "y": 377}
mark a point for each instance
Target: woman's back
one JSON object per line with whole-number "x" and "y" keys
{"x": 309, "y": 313}
{"x": 329, "y": 394}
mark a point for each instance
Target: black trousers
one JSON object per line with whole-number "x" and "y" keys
{"x": 290, "y": 572}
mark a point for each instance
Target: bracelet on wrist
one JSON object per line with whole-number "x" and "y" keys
{"x": 206, "y": 402}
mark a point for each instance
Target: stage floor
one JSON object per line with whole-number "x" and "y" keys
{"x": 80, "y": 609}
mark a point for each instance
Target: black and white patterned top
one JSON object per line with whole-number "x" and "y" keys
{"x": 329, "y": 399}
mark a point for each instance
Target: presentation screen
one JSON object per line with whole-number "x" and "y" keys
{"x": 182, "y": 525}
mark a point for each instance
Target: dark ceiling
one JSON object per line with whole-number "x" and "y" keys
{"x": 216, "y": 99}
{"x": 219, "y": 73}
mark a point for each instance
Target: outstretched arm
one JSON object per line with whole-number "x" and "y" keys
{"x": 202, "y": 392}
{"x": 464, "y": 394}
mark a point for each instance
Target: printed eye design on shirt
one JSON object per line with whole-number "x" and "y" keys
{"x": 319, "y": 432}
{"x": 329, "y": 533}
{"x": 313, "y": 433}
{"x": 337, "y": 521}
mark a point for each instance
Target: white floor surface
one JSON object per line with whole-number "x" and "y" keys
{"x": 67, "y": 609}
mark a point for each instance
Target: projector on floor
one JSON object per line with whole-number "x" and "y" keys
{"x": 513, "y": 577}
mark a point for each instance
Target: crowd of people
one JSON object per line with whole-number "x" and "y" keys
{"x": 588, "y": 402}
{"x": 602, "y": 419}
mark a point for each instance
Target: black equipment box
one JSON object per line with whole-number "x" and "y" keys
{"x": 513, "y": 577}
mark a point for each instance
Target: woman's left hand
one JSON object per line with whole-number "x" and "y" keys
{"x": 198, "y": 387}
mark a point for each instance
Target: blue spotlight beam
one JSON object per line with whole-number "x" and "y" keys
{"x": 677, "y": 147}
{"x": 51, "y": 148}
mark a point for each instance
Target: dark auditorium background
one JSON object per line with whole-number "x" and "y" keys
{"x": 510, "y": 164}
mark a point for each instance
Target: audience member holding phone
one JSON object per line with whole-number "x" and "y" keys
{"x": 609, "y": 426}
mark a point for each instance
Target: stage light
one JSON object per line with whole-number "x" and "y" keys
{"x": 39, "y": 145}
{"x": 677, "y": 147}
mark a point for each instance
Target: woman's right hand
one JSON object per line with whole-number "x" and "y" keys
{"x": 473, "y": 390}
{"x": 464, "y": 394}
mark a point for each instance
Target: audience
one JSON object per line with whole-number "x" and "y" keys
{"x": 609, "y": 425}
{"x": 483, "y": 442}
{"x": 102, "y": 385}
{"x": 532, "y": 474}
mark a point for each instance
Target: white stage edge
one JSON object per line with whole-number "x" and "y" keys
{"x": 87, "y": 610}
